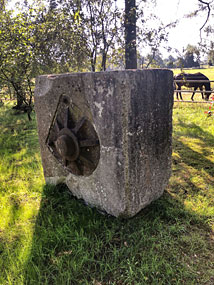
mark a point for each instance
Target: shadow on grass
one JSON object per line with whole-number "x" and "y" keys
{"x": 193, "y": 167}
{"x": 193, "y": 130}
{"x": 74, "y": 244}
{"x": 164, "y": 244}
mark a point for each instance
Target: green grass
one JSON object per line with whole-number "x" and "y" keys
{"x": 49, "y": 237}
{"x": 209, "y": 72}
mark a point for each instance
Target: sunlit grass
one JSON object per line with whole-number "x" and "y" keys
{"x": 194, "y": 157}
{"x": 209, "y": 72}
{"x": 21, "y": 183}
{"x": 49, "y": 237}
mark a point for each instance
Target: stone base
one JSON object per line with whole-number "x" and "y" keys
{"x": 119, "y": 126}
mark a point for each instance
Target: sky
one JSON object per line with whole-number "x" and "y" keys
{"x": 187, "y": 31}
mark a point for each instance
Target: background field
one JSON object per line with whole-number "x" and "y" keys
{"x": 49, "y": 237}
{"x": 209, "y": 72}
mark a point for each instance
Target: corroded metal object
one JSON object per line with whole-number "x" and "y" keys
{"x": 73, "y": 140}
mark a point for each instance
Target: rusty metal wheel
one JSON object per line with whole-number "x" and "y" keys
{"x": 73, "y": 140}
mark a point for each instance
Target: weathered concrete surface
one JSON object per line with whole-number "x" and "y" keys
{"x": 131, "y": 112}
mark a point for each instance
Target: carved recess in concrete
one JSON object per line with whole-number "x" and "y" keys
{"x": 73, "y": 140}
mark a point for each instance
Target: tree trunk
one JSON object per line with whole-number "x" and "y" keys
{"x": 93, "y": 61}
{"x": 103, "y": 66}
{"x": 9, "y": 91}
{"x": 20, "y": 101}
{"x": 130, "y": 35}
{"x": 20, "y": 96}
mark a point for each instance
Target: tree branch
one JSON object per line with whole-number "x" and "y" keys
{"x": 208, "y": 14}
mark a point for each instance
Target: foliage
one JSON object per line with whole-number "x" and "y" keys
{"x": 101, "y": 25}
{"x": 188, "y": 59}
{"x": 210, "y": 57}
{"x": 35, "y": 41}
{"x": 206, "y": 30}
{"x": 151, "y": 33}
{"x": 191, "y": 57}
{"x": 81, "y": 35}
{"x": 96, "y": 25}
{"x": 59, "y": 43}
{"x": 70, "y": 36}
{"x": 3, "y": 4}
{"x": 17, "y": 60}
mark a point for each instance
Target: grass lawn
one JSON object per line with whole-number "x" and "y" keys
{"x": 49, "y": 237}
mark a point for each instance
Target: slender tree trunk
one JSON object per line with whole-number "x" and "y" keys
{"x": 20, "y": 96}
{"x": 10, "y": 93}
{"x": 103, "y": 66}
{"x": 93, "y": 61}
{"x": 130, "y": 35}
{"x": 20, "y": 101}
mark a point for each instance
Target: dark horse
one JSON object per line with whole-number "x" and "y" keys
{"x": 195, "y": 76}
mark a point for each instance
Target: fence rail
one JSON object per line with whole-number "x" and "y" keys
{"x": 194, "y": 81}
{"x": 201, "y": 102}
{"x": 191, "y": 91}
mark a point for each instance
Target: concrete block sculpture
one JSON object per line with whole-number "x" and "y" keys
{"x": 107, "y": 135}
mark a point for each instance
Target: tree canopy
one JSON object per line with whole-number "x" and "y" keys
{"x": 79, "y": 35}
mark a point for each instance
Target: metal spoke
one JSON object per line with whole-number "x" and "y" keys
{"x": 57, "y": 126}
{"x": 79, "y": 125}
{"x": 65, "y": 162}
{"x": 75, "y": 167}
{"x": 69, "y": 132}
{"x": 67, "y": 117}
{"x": 86, "y": 160}
{"x": 88, "y": 142}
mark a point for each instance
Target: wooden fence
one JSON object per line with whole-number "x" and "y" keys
{"x": 191, "y": 91}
